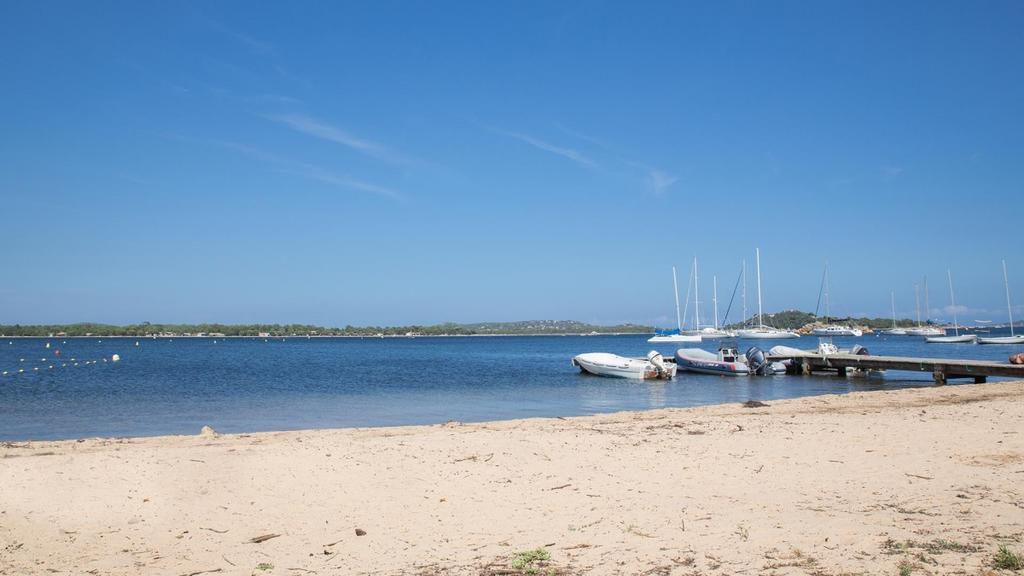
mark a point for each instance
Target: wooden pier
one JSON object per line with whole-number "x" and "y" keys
{"x": 941, "y": 369}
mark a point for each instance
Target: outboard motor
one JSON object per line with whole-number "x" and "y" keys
{"x": 756, "y": 362}
{"x": 654, "y": 357}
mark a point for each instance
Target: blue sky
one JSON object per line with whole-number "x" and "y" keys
{"x": 399, "y": 162}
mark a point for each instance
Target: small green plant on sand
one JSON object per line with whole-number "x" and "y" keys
{"x": 905, "y": 568}
{"x": 1007, "y": 559}
{"x": 527, "y": 561}
{"x": 264, "y": 566}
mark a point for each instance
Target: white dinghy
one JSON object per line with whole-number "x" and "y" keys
{"x": 615, "y": 366}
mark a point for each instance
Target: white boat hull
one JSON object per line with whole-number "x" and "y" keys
{"x": 762, "y": 334}
{"x": 926, "y": 332}
{"x": 712, "y": 334}
{"x": 895, "y": 332}
{"x": 614, "y": 366}
{"x": 678, "y": 338}
{"x": 964, "y": 339}
{"x": 1002, "y": 340}
{"x": 838, "y": 331}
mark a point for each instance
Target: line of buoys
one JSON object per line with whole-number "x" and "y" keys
{"x": 74, "y": 362}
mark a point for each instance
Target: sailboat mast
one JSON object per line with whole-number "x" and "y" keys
{"x": 952, "y": 302}
{"x": 696, "y": 298}
{"x": 927, "y": 306}
{"x": 743, "y": 273}
{"x": 917, "y": 303}
{"x": 1009, "y": 309}
{"x": 675, "y": 288}
{"x": 714, "y": 298}
{"x": 892, "y": 296}
{"x": 828, "y": 308}
{"x": 760, "y": 318}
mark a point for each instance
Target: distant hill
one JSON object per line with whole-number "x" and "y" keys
{"x": 789, "y": 319}
{"x": 797, "y": 319}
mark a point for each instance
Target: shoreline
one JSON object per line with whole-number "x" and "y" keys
{"x": 846, "y": 483}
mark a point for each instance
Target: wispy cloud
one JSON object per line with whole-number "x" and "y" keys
{"x": 312, "y": 172}
{"x": 661, "y": 181}
{"x": 569, "y": 153}
{"x": 581, "y": 136}
{"x": 320, "y": 129}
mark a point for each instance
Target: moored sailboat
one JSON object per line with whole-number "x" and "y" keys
{"x": 957, "y": 338}
{"x": 923, "y": 330}
{"x": 894, "y": 331}
{"x": 833, "y": 329}
{"x": 674, "y": 335}
{"x": 763, "y": 331}
{"x": 1012, "y": 338}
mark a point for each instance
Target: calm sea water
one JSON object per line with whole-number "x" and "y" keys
{"x": 175, "y": 386}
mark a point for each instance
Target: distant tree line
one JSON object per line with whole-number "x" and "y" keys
{"x": 447, "y": 329}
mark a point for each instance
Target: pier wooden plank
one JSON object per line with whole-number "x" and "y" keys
{"x": 941, "y": 368}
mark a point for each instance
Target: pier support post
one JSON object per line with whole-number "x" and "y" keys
{"x": 939, "y": 376}
{"x": 980, "y": 379}
{"x": 841, "y": 370}
{"x": 805, "y": 367}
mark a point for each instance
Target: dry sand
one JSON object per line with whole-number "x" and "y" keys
{"x": 859, "y": 483}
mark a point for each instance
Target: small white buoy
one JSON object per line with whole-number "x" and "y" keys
{"x": 51, "y": 366}
{"x": 20, "y": 370}
{"x": 5, "y": 372}
{"x": 21, "y": 360}
{"x": 36, "y": 368}
{"x": 115, "y": 358}
{"x": 136, "y": 342}
{"x": 47, "y": 344}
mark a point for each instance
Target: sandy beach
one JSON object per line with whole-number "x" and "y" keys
{"x": 930, "y": 479}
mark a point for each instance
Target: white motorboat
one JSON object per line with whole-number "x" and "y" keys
{"x": 1012, "y": 338}
{"x": 957, "y": 338}
{"x": 762, "y": 331}
{"x": 615, "y": 366}
{"x": 837, "y": 330}
{"x": 674, "y": 336}
{"x": 727, "y": 362}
